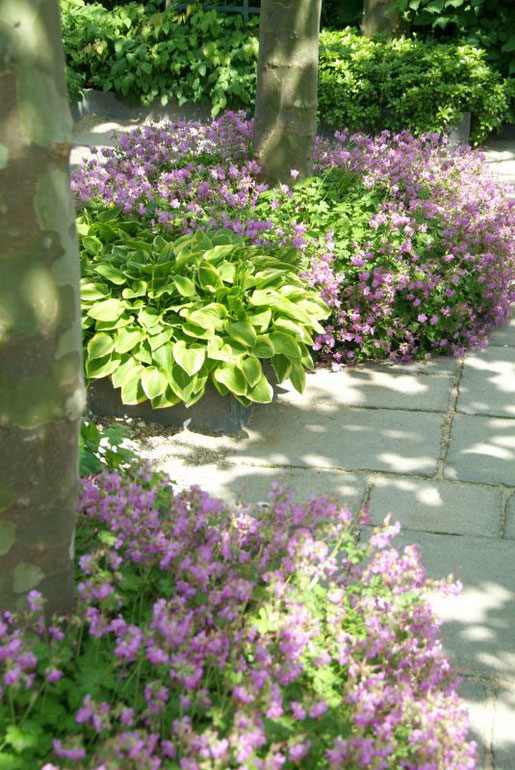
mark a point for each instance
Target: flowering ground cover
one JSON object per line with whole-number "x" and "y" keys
{"x": 208, "y": 637}
{"x": 410, "y": 242}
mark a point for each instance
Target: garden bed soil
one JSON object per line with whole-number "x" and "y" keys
{"x": 212, "y": 414}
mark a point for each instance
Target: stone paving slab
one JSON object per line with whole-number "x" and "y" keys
{"x": 477, "y": 699}
{"x": 487, "y": 384}
{"x": 441, "y": 507}
{"x": 479, "y": 627}
{"x": 482, "y": 449}
{"x": 504, "y": 728}
{"x": 251, "y": 484}
{"x": 375, "y": 388}
{"x": 504, "y": 335}
{"x": 509, "y": 531}
{"x": 350, "y": 439}
{"x": 441, "y": 366}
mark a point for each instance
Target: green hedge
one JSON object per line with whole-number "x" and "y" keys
{"x": 407, "y": 83}
{"x": 205, "y": 56}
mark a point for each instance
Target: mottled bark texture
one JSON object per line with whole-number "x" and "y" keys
{"x": 286, "y": 99}
{"x": 381, "y": 18}
{"x": 41, "y": 390}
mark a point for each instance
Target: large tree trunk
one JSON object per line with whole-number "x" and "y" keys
{"x": 286, "y": 100}
{"x": 41, "y": 390}
{"x": 379, "y": 17}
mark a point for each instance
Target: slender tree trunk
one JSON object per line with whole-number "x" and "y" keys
{"x": 286, "y": 100}
{"x": 41, "y": 390}
{"x": 379, "y": 17}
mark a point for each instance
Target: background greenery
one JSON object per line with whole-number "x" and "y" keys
{"x": 199, "y": 55}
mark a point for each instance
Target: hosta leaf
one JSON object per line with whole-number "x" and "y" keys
{"x": 299, "y": 331}
{"x": 194, "y": 398}
{"x": 127, "y": 364}
{"x": 148, "y": 317}
{"x": 241, "y": 331}
{"x": 160, "y": 339}
{"x": 227, "y": 272}
{"x": 263, "y": 347}
{"x": 111, "y": 273}
{"x": 194, "y": 330}
{"x": 136, "y": 289}
{"x": 217, "y": 253}
{"x": 251, "y": 368}
{"x": 163, "y": 357}
{"x": 261, "y": 320}
{"x": 189, "y": 358}
{"x": 262, "y": 392}
{"x": 285, "y": 343}
{"x": 218, "y": 350}
{"x": 100, "y": 345}
{"x": 124, "y": 320}
{"x": 185, "y": 286}
{"x": 154, "y": 381}
{"x": 205, "y": 320}
{"x": 143, "y": 352}
{"x": 181, "y": 383}
{"x": 127, "y": 339}
{"x": 263, "y": 297}
{"x": 93, "y": 291}
{"x": 282, "y": 367}
{"x": 298, "y": 378}
{"x": 233, "y": 379}
{"x": 166, "y": 399}
{"x": 208, "y": 277}
{"x": 108, "y": 310}
{"x": 132, "y": 390}
{"x": 221, "y": 388}
{"x": 102, "y": 367}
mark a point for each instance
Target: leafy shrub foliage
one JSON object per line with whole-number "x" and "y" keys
{"x": 407, "y": 84}
{"x": 208, "y": 638}
{"x": 489, "y": 24}
{"x": 411, "y": 243}
{"x": 102, "y": 448}
{"x": 161, "y": 318}
{"x": 200, "y": 55}
{"x": 193, "y": 55}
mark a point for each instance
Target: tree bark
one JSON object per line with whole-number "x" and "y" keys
{"x": 379, "y": 17}
{"x": 41, "y": 389}
{"x": 286, "y": 99}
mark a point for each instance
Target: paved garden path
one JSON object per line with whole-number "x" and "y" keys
{"x": 434, "y": 444}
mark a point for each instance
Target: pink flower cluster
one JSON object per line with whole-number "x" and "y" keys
{"x": 431, "y": 270}
{"x": 231, "y": 639}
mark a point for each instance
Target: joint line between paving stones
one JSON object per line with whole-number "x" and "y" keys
{"x": 506, "y": 494}
{"x": 230, "y": 463}
{"x": 448, "y": 421}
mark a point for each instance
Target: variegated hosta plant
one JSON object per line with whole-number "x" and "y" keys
{"x": 161, "y": 318}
